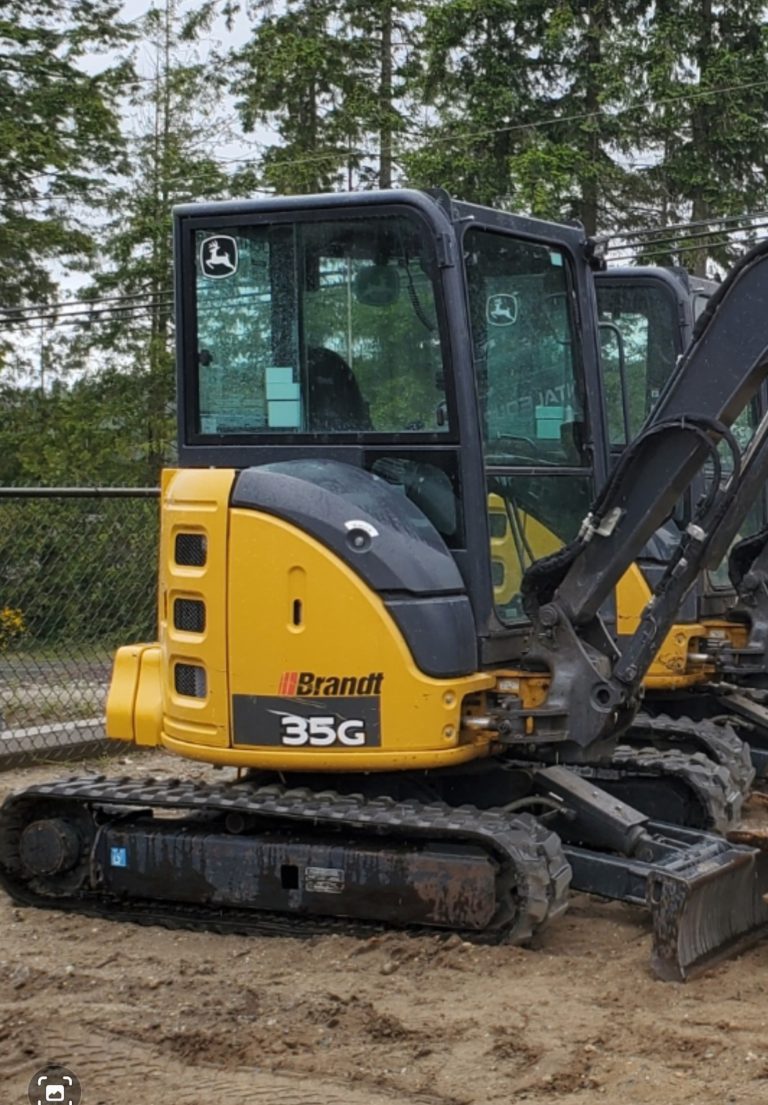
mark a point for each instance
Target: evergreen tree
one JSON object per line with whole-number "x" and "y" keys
{"x": 59, "y": 134}
{"x": 709, "y": 149}
{"x": 576, "y": 162}
{"x": 297, "y": 75}
{"x": 479, "y": 81}
{"x": 387, "y": 55}
{"x": 527, "y": 102}
{"x": 328, "y": 78}
{"x": 173, "y": 159}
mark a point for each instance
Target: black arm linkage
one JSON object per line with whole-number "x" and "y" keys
{"x": 754, "y": 473}
{"x": 594, "y": 689}
{"x": 747, "y": 568}
{"x": 716, "y": 379}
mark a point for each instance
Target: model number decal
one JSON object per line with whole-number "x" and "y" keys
{"x": 321, "y": 732}
{"x": 338, "y": 723}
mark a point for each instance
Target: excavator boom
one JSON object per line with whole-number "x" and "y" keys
{"x": 703, "y": 393}
{"x": 565, "y": 591}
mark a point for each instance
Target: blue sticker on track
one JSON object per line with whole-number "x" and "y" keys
{"x": 118, "y": 857}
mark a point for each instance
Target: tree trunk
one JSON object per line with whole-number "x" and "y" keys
{"x": 157, "y": 353}
{"x": 700, "y": 133}
{"x": 590, "y": 190}
{"x": 385, "y": 97}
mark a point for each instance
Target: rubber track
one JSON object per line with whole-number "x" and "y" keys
{"x": 531, "y": 851}
{"x": 717, "y": 740}
{"x": 719, "y": 799}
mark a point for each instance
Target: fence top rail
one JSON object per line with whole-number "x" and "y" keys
{"x": 79, "y": 492}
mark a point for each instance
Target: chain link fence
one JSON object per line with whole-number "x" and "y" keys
{"x": 78, "y": 577}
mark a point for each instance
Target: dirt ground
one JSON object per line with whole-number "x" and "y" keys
{"x": 146, "y": 1016}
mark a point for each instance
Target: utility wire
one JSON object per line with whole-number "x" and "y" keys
{"x": 452, "y": 137}
{"x": 107, "y": 313}
{"x": 84, "y": 302}
{"x": 696, "y": 249}
{"x": 45, "y": 311}
{"x": 72, "y": 307}
{"x": 690, "y": 237}
{"x": 551, "y": 122}
{"x": 682, "y": 238}
{"x": 83, "y": 314}
{"x": 535, "y": 125}
{"x": 640, "y": 231}
{"x": 126, "y": 314}
{"x": 84, "y": 307}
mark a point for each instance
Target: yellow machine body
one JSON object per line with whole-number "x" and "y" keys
{"x": 259, "y": 571}
{"x": 506, "y": 563}
{"x": 685, "y": 657}
{"x": 677, "y": 664}
{"x": 278, "y": 606}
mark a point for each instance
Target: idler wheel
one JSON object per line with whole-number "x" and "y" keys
{"x": 49, "y": 847}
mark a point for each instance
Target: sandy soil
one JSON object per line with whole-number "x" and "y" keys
{"x": 146, "y": 1016}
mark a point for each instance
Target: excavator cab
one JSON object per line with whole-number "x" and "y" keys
{"x": 653, "y": 310}
{"x": 447, "y": 350}
{"x": 533, "y": 370}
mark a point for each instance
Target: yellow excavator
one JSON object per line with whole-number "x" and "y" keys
{"x": 647, "y": 317}
{"x": 364, "y": 381}
{"x": 713, "y": 664}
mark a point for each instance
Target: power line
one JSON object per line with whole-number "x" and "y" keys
{"x": 693, "y": 249}
{"x": 84, "y": 307}
{"x": 535, "y": 125}
{"x": 640, "y": 231}
{"x": 84, "y": 314}
{"x": 87, "y": 315}
{"x": 676, "y": 243}
{"x": 454, "y": 136}
{"x": 690, "y": 237}
{"x": 64, "y": 303}
{"x": 72, "y": 307}
{"x": 551, "y": 122}
{"x": 81, "y": 319}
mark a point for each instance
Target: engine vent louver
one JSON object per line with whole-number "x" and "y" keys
{"x": 189, "y": 615}
{"x": 190, "y": 549}
{"x": 189, "y": 680}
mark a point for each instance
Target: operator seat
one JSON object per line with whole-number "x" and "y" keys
{"x": 335, "y": 399}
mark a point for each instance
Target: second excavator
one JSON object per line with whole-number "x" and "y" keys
{"x": 712, "y": 670}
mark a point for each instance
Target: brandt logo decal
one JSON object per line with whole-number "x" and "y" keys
{"x": 288, "y": 681}
{"x": 293, "y": 683}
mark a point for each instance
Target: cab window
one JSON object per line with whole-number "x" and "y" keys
{"x": 539, "y": 485}
{"x": 645, "y": 317}
{"x": 318, "y": 327}
{"x": 524, "y": 350}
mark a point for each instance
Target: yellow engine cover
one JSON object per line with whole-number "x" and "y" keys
{"x": 292, "y": 662}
